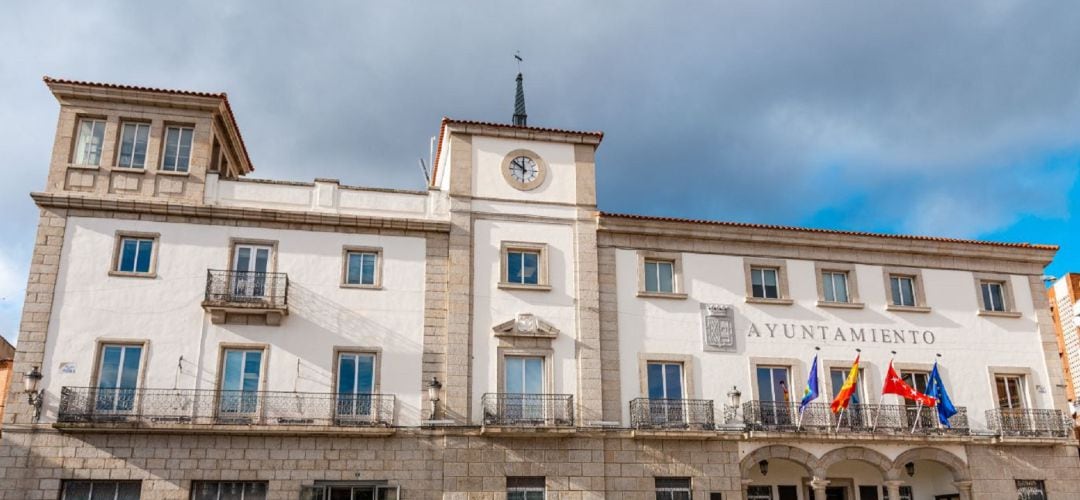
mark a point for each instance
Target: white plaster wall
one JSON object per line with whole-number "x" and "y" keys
{"x": 322, "y": 197}
{"x": 560, "y": 186}
{"x": 968, "y": 343}
{"x": 166, "y": 311}
{"x": 492, "y": 305}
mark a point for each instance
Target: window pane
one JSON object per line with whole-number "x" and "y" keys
{"x": 183, "y": 154}
{"x": 129, "y": 490}
{"x": 172, "y": 138}
{"x": 127, "y": 144}
{"x": 78, "y": 490}
{"x": 514, "y": 381}
{"x": 138, "y": 157}
{"x": 88, "y": 145}
{"x": 368, "y": 274}
{"x": 907, "y": 291}
{"x": 103, "y": 490}
{"x": 353, "y": 273}
{"x": 534, "y": 376}
{"x": 251, "y": 370}
{"x": 513, "y": 267}
{"x": 894, "y": 283}
{"x": 347, "y": 374}
{"x": 651, "y": 277}
{"x": 366, "y": 379}
{"x": 756, "y": 283}
{"x": 515, "y": 495}
{"x": 673, "y": 378}
{"x": 666, "y": 277}
{"x": 530, "y": 270}
{"x": 828, "y": 287}
{"x": 764, "y": 384}
{"x": 110, "y": 367}
{"x": 656, "y": 380}
{"x": 772, "y": 291}
{"x": 128, "y": 253}
{"x": 840, "y": 283}
{"x": 142, "y": 260}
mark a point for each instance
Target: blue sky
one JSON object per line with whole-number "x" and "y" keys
{"x": 953, "y": 119}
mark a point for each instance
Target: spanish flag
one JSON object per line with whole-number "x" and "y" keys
{"x": 843, "y": 397}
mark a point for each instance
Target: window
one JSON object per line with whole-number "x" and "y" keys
{"x": 993, "y": 296}
{"x": 759, "y": 492}
{"x": 228, "y": 490}
{"x": 101, "y": 490}
{"x": 672, "y": 488}
{"x": 118, "y": 377}
{"x": 1030, "y": 489}
{"x": 774, "y": 395}
{"x": 835, "y": 286}
{"x": 659, "y": 276}
{"x": 905, "y": 493}
{"x": 524, "y": 265}
{"x": 339, "y": 490}
{"x": 665, "y": 380}
{"x": 764, "y": 283}
{"x": 1010, "y": 392}
{"x": 177, "y": 149}
{"x": 133, "y": 138}
{"x": 88, "y": 144}
{"x": 135, "y": 255}
{"x": 525, "y": 488}
{"x": 362, "y": 267}
{"x": 903, "y": 290}
{"x": 240, "y": 377}
{"x": 250, "y": 268}
{"x": 355, "y": 384}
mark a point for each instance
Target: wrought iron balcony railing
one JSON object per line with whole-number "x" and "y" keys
{"x": 247, "y": 289}
{"x": 860, "y": 418}
{"x": 1029, "y": 423}
{"x": 542, "y": 410}
{"x": 212, "y": 407}
{"x": 697, "y": 414}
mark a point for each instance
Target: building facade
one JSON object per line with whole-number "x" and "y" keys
{"x": 1064, "y": 298}
{"x": 203, "y": 335}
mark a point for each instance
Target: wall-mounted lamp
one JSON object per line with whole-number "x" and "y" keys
{"x": 763, "y": 466}
{"x": 734, "y": 396}
{"x": 34, "y": 396}
{"x": 434, "y": 390}
{"x": 910, "y": 468}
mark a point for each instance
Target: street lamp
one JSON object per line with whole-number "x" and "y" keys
{"x": 33, "y": 395}
{"x": 734, "y": 396}
{"x": 910, "y": 468}
{"x": 434, "y": 388}
{"x": 763, "y": 466}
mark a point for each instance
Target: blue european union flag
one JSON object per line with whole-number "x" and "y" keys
{"x": 935, "y": 388}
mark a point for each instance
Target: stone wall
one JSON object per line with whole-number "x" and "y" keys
{"x": 995, "y": 469}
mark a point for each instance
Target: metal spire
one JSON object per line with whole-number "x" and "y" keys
{"x": 520, "y": 117}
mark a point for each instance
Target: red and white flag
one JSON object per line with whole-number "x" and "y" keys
{"x": 895, "y": 385}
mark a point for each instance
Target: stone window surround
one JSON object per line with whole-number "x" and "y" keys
{"x": 163, "y": 143}
{"x": 1006, "y": 292}
{"x": 541, "y": 166}
{"x": 542, "y": 280}
{"x": 781, "y": 277}
{"x": 854, "y": 301}
{"x": 920, "y": 292}
{"x": 158, "y": 128}
{"x": 1027, "y": 376}
{"x": 79, "y": 119}
{"x": 118, "y": 247}
{"x": 686, "y": 360}
{"x": 346, "y": 250}
{"x": 677, "y": 285}
{"x": 546, "y": 353}
{"x": 273, "y": 244}
{"x": 376, "y": 369}
{"x": 867, "y": 378}
{"x": 99, "y": 348}
{"x": 246, "y": 346}
{"x": 796, "y": 376}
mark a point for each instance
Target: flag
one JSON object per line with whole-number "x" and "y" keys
{"x": 811, "y": 391}
{"x": 936, "y": 389}
{"x": 843, "y": 396}
{"x": 895, "y": 385}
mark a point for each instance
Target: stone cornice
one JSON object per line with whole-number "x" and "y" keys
{"x": 156, "y": 207}
{"x": 795, "y": 243}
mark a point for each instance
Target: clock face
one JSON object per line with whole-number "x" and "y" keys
{"x": 523, "y": 169}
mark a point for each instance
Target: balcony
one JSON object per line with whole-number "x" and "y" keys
{"x": 672, "y": 414}
{"x": 184, "y": 408}
{"x": 772, "y": 416}
{"x": 1029, "y": 423}
{"x": 246, "y": 297}
{"x": 528, "y": 410}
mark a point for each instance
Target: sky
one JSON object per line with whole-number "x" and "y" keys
{"x": 957, "y": 119}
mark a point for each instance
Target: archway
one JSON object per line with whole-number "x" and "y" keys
{"x": 776, "y": 472}
{"x": 853, "y": 473}
{"x": 930, "y": 473}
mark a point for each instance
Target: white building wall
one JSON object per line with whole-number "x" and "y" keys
{"x": 560, "y": 185}
{"x": 968, "y": 343}
{"x": 165, "y": 311}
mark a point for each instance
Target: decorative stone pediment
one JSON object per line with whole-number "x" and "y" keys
{"x": 526, "y": 325}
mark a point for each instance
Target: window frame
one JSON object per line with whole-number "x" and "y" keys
{"x": 219, "y": 381}
{"x": 99, "y": 352}
{"x": 546, "y": 354}
{"x": 348, "y": 250}
{"x": 219, "y": 483}
{"x": 340, "y": 351}
{"x": 73, "y": 160}
{"x": 542, "y": 278}
{"x": 527, "y": 488}
{"x": 92, "y": 482}
{"x": 120, "y": 144}
{"x": 851, "y": 277}
{"x": 917, "y": 289}
{"x": 1028, "y": 390}
{"x": 780, "y": 266}
{"x": 677, "y": 291}
{"x": 1040, "y": 484}
{"x": 1007, "y": 297}
{"x": 670, "y": 490}
{"x": 118, "y": 248}
{"x": 165, "y": 144}
{"x": 687, "y": 362}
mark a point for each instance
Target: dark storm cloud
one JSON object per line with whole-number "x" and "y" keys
{"x": 934, "y": 117}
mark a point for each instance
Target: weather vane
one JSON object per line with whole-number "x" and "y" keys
{"x": 517, "y": 55}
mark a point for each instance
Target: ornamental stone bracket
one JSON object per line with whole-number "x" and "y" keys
{"x": 526, "y": 325}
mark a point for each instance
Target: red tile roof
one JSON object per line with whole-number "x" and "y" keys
{"x": 451, "y": 121}
{"x": 828, "y": 231}
{"x": 219, "y": 95}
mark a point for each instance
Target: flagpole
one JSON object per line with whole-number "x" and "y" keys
{"x": 918, "y": 412}
{"x": 877, "y": 410}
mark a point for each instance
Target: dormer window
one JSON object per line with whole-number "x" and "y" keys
{"x": 177, "y": 149}
{"x": 133, "y": 139}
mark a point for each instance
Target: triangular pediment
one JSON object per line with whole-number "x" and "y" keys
{"x": 526, "y": 325}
